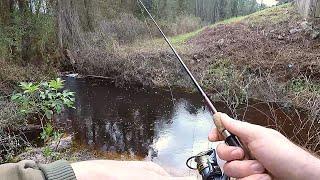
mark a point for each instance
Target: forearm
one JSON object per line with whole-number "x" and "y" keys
{"x": 301, "y": 165}
{"x": 311, "y": 168}
{"x": 29, "y": 170}
{"x": 23, "y": 170}
{"x": 133, "y": 170}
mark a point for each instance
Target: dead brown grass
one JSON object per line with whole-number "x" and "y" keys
{"x": 12, "y": 73}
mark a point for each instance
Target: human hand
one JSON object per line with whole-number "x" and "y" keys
{"x": 118, "y": 170}
{"x": 273, "y": 152}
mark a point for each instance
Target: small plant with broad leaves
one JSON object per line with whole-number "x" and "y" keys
{"x": 49, "y": 134}
{"x": 42, "y": 101}
{"x": 45, "y": 98}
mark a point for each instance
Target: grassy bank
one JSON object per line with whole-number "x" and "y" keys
{"x": 275, "y": 42}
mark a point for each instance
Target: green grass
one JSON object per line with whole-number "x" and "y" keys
{"x": 272, "y": 10}
{"x": 272, "y": 15}
{"x": 269, "y": 16}
{"x": 182, "y": 38}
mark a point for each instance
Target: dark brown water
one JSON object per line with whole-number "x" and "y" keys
{"x": 147, "y": 124}
{"x": 151, "y": 125}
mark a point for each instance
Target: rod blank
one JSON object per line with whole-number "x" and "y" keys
{"x": 204, "y": 95}
{"x": 230, "y": 139}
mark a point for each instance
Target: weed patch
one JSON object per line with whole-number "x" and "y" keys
{"x": 227, "y": 84}
{"x": 304, "y": 85}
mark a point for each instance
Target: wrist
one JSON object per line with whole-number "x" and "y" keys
{"x": 312, "y": 168}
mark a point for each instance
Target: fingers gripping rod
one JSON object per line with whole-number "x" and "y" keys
{"x": 229, "y": 138}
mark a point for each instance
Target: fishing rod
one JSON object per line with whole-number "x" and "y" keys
{"x": 206, "y": 162}
{"x": 230, "y": 139}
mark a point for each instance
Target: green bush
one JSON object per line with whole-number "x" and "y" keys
{"x": 28, "y": 34}
{"x": 42, "y": 101}
{"x": 49, "y": 134}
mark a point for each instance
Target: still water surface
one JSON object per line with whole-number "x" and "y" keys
{"x": 155, "y": 125}
{"x": 148, "y": 124}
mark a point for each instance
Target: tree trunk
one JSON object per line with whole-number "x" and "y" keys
{"x": 26, "y": 39}
{"x": 88, "y": 16}
{"x": 58, "y": 17}
{"x": 5, "y": 11}
{"x": 234, "y": 8}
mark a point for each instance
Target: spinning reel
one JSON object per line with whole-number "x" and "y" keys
{"x": 207, "y": 165}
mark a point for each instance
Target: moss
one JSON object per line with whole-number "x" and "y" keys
{"x": 273, "y": 15}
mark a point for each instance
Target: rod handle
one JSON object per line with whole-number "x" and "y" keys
{"x": 233, "y": 140}
{"x": 230, "y": 138}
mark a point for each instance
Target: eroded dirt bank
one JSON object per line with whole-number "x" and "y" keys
{"x": 277, "y": 41}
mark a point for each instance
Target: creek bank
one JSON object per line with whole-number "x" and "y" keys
{"x": 264, "y": 53}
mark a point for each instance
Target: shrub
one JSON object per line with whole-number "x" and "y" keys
{"x": 30, "y": 38}
{"x": 303, "y": 84}
{"x": 187, "y": 24}
{"x": 44, "y": 99}
{"x": 180, "y": 25}
{"x": 128, "y": 28}
{"x": 11, "y": 73}
{"x": 10, "y": 141}
{"x": 9, "y": 115}
{"x": 230, "y": 84}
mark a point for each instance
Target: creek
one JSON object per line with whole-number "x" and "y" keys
{"x": 157, "y": 125}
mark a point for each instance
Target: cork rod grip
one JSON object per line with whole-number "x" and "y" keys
{"x": 230, "y": 139}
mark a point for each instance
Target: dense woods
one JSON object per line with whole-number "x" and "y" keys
{"x": 32, "y": 29}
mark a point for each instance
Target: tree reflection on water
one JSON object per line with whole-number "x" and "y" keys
{"x": 141, "y": 123}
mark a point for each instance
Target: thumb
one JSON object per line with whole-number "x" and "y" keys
{"x": 245, "y": 131}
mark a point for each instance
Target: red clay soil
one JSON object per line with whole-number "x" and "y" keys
{"x": 271, "y": 49}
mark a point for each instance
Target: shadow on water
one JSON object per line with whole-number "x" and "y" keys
{"x": 148, "y": 124}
